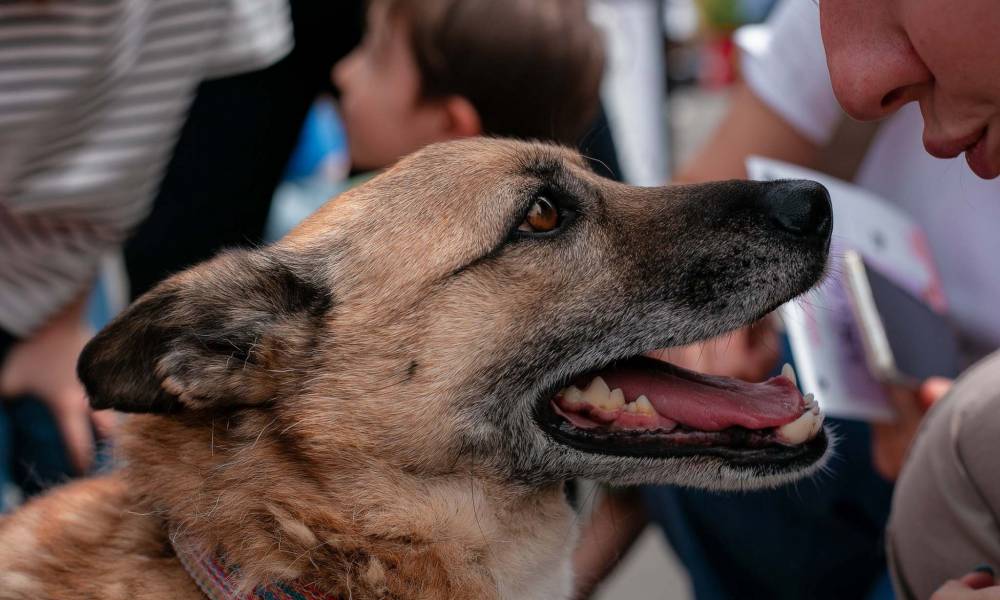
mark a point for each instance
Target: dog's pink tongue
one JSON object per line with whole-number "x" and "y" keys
{"x": 711, "y": 403}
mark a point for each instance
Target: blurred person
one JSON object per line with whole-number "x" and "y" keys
{"x": 943, "y": 56}
{"x": 92, "y": 96}
{"x": 823, "y": 540}
{"x": 434, "y": 70}
{"x": 227, "y": 173}
{"x": 427, "y": 72}
{"x": 234, "y": 147}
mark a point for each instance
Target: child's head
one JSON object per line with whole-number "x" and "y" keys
{"x": 434, "y": 70}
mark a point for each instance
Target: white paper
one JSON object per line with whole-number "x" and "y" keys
{"x": 825, "y": 341}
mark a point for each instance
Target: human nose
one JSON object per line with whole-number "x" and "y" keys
{"x": 343, "y": 69}
{"x": 873, "y": 73}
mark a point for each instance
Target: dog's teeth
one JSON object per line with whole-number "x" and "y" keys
{"x": 789, "y": 373}
{"x": 817, "y": 424}
{"x": 643, "y": 406}
{"x": 572, "y": 395}
{"x": 597, "y": 393}
{"x": 811, "y": 403}
{"x": 800, "y": 430}
{"x": 640, "y": 406}
{"x": 616, "y": 399}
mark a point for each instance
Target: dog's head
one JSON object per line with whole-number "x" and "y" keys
{"x": 489, "y": 303}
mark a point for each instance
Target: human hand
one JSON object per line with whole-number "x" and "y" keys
{"x": 977, "y": 585}
{"x": 749, "y": 353}
{"x": 891, "y": 441}
{"x": 44, "y": 365}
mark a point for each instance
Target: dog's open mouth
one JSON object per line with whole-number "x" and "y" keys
{"x": 646, "y": 407}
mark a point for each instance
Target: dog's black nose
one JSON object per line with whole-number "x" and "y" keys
{"x": 799, "y": 207}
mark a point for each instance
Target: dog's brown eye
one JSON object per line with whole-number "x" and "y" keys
{"x": 543, "y": 216}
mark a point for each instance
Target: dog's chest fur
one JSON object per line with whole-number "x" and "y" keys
{"x": 121, "y": 553}
{"x": 549, "y": 579}
{"x": 535, "y": 564}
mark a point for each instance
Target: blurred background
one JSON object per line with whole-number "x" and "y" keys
{"x": 260, "y": 150}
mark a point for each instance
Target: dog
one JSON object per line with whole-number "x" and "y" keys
{"x": 387, "y": 402}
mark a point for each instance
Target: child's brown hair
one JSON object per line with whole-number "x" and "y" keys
{"x": 531, "y": 68}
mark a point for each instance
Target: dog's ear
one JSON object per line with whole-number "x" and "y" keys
{"x": 228, "y": 332}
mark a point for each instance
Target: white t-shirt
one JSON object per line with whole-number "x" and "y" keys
{"x": 785, "y": 66}
{"x": 92, "y": 96}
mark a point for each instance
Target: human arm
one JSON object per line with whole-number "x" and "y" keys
{"x": 946, "y": 505}
{"x": 749, "y": 127}
{"x": 44, "y": 364}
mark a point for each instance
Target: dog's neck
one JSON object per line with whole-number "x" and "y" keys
{"x": 355, "y": 528}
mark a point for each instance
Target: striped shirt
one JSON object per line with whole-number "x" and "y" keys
{"x": 93, "y": 94}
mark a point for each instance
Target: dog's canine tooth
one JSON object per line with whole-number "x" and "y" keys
{"x": 801, "y": 429}
{"x": 597, "y": 393}
{"x": 788, "y": 371}
{"x": 572, "y": 395}
{"x": 817, "y": 423}
{"x": 811, "y": 403}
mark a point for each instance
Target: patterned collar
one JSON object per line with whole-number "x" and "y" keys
{"x": 219, "y": 581}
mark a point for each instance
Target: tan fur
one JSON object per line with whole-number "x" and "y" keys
{"x": 356, "y": 441}
{"x": 405, "y": 537}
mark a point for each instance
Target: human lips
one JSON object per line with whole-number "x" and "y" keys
{"x": 978, "y": 158}
{"x": 976, "y": 151}
{"x": 950, "y": 148}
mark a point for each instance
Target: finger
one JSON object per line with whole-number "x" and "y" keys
{"x": 766, "y": 356}
{"x": 764, "y": 330}
{"x": 952, "y": 590}
{"x": 886, "y": 451}
{"x": 967, "y": 586}
{"x": 933, "y": 390}
{"x": 73, "y": 419}
{"x": 908, "y": 406}
{"x": 981, "y": 578}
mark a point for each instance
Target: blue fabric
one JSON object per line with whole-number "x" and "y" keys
{"x": 321, "y": 137}
{"x": 38, "y": 458}
{"x": 882, "y": 589}
{"x": 33, "y": 456}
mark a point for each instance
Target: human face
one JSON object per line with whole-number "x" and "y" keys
{"x": 944, "y": 54}
{"x": 384, "y": 114}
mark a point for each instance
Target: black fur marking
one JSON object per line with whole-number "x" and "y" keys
{"x": 297, "y": 293}
{"x": 207, "y": 335}
{"x": 411, "y": 370}
{"x": 116, "y": 365}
